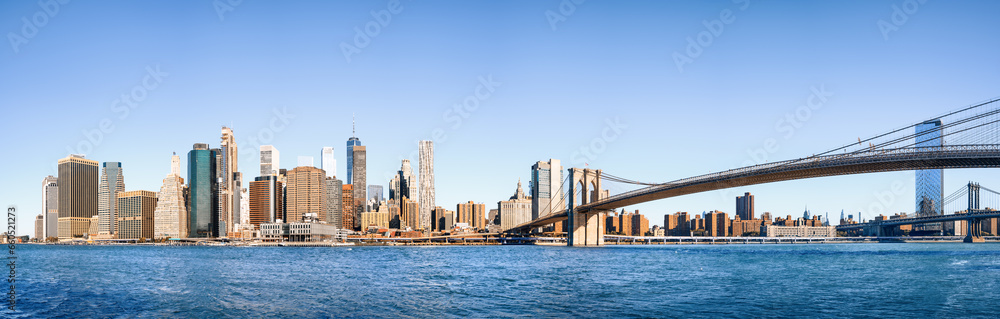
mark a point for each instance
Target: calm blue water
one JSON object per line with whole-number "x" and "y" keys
{"x": 853, "y": 280}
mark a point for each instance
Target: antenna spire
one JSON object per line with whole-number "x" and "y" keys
{"x": 354, "y": 126}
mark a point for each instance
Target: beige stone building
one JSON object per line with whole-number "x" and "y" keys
{"x": 306, "y": 193}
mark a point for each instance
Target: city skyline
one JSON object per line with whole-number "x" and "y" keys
{"x": 300, "y": 117}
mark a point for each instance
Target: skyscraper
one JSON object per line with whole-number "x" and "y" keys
{"x": 231, "y": 183}
{"x": 135, "y": 218}
{"x": 546, "y": 190}
{"x": 112, "y": 183}
{"x": 78, "y": 179}
{"x": 360, "y": 179}
{"x": 404, "y": 184}
{"x": 426, "y": 199}
{"x": 39, "y": 225}
{"x": 515, "y": 211}
{"x": 744, "y": 206}
{"x": 306, "y": 194}
{"x": 203, "y": 202}
{"x": 351, "y": 143}
{"x": 329, "y": 162}
{"x": 266, "y": 200}
{"x": 270, "y": 160}
{"x": 50, "y": 207}
{"x": 472, "y": 214}
{"x": 334, "y": 196}
{"x": 170, "y": 215}
{"x": 929, "y": 182}
{"x": 347, "y": 206}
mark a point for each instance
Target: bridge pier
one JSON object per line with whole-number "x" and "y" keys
{"x": 974, "y": 229}
{"x": 584, "y": 228}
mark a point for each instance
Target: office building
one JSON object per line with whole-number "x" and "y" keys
{"x": 360, "y": 180}
{"x": 231, "y": 183}
{"x": 348, "y": 212}
{"x": 306, "y": 194}
{"x": 112, "y": 183}
{"x": 203, "y": 210}
{"x": 744, "y": 206}
{"x": 78, "y": 183}
{"x": 404, "y": 184}
{"x": 50, "y": 206}
{"x": 39, "y": 226}
{"x": 546, "y": 190}
{"x": 351, "y": 143}
{"x": 170, "y": 215}
{"x": 516, "y": 210}
{"x": 376, "y": 193}
{"x": 929, "y": 182}
{"x": 135, "y": 214}
{"x": 267, "y": 203}
{"x": 334, "y": 196}
{"x": 409, "y": 214}
{"x": 472, "y": 214}
{"x": 427, "y": 192}
{"x": 379, "y": 220}
{"x": 270, "y": 160}
{"x": 444, "y": 219}
{"x": 329, "y": 162}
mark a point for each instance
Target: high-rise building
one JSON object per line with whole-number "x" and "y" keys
{"x": 404, "y": 184}
{"x": 376, "y": 193}
{"x": 135, "y": 218}
{"x": 471, "y": 213}
{"x": 270, "y": 160}
{"x": 39, "y": 225}
{"x": 266, "y": 200}
{"x": 334, "y": 196}
{"x": 245, "y": 206}
{"x": 515, "y": 211}
{"x": 50, "y": 206}
{"x": 203, "y": 210}
{"x": 347, "y": 208}
{"x": 360, "y": 180}
{"x": 409, "y": 213}
{"x": 306, "y": 194}
{"x": 716, "y": 224}
{"x": 78, "y": 181}
{"x": 744, "y": 206}
{"x": 231, "y": 183}
{"x": 546, "y": 189}
{"x": 329, "y": 162}
{"x": 351, "y": 143}
{"x": 112, "y": 183}
{"x": 427, "y": 192}
{"x": 929, "y": 182}
{"x": 170, "y": 215}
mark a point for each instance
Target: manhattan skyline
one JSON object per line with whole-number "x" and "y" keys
{"x": 606, "y": 75}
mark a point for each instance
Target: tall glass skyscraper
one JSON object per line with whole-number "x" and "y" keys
{"x": 351, "y": 143}
{"x": 202, "y": 186}
{"x": 112, "y": 183}
{"x": 930, "y": 182}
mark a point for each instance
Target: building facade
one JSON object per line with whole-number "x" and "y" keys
{"x": 203, "y": 210}
{"x": 78, "y": 183}
{"x": 306, "y": 194}
{"x": 404, "y": 184}
{"x": 270, "y": 160}
{"x": 348, "y": 213}
{"x": 799, "y": 231}
{"x": 231, "y": 183}
{"x": 170, "y": 215}
{"x": 360, "y": 183}
{"x": 744, "y": 206}
{"x": 516, "y": 210}
{"x": 351, "y": 143}
{"x": 427, "y": 191}
{"x": 135, "y": 218}
{"x": 50, "y": 206}
{"x": 112, "y": 183}
{"x": 929, "y": 182}
{"x": 334, "y": 197}
{"x": 546, "y": 189}
{"x": 267, "y": 203}
{"x": 472, "y": 214}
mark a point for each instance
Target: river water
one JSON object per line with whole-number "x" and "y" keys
{"x": 932, "y": 280}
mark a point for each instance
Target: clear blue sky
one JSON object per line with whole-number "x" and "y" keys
{"x": 604, "y": 60}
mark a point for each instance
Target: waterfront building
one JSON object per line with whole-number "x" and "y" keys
{"x": 516, "y": 210}
{"x": 445, "y": 219}
{"x": 334, "y": 196}
{"x": 347, "y": 207}
{"x": 472, "y": 214}
{"x": 546, "y": 189}
{"x": 267, "y": 204}
{"x": 640, "y": 224}
{"x": 404, "y": 183}
{"x": 78, "y": 181}
{"x": 297, "y": 232}
{"x": 270, "y": 160}
{"x": 744, "y": 206}
{"x": 112, "y": 183}
{"x": 377, "y": 219}
{"x": 170, "y": 215}
{"x": 50, "y": 206}
{"x": 799, "y": 231}
{"x": 203, "y": 210}
{"x": 92, "y": 228}
{"x": 929, "y": 182}
{"x": 427, "y": 192}
{"x": 360, "y": 178}
{"x": 135, "y": 214}
{"x": 306, "y": 194}
{"x": 677, "y": 224}
{"x": 716, "y": 224}
{"x": 329, "y": 162}
{"x": 230, "y": 183}
{"x": 39, "y": 225}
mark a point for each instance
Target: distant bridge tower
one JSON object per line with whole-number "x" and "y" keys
{"x": 585, "y": 228}
{"x": 974, "y": 227}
